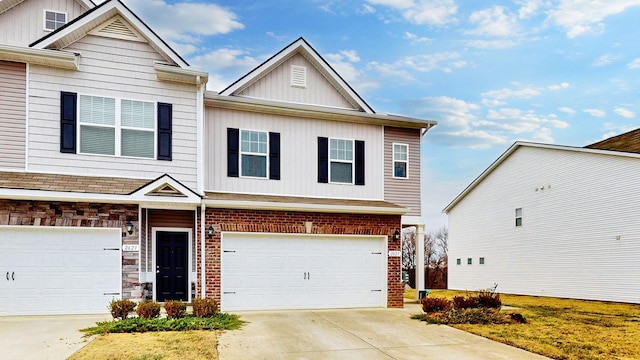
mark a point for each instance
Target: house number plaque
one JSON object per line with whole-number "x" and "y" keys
{"x": 395, "y": 253}
{"x": 130, "y": 247}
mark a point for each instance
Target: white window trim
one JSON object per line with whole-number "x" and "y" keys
{"x": 240, "y": 153}
{"x": 118, "y": 128}
{"x": 393, "y": 161}
{"x": 352, "y": 162}
{"x": 44, "y": 18}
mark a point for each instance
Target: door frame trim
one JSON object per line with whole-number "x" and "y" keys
{"x": 189, "y": 232}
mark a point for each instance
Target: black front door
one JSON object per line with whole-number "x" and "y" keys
{"x": 171, "y": 265}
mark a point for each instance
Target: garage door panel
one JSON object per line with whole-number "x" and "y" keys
{"x": 270, "y": 271}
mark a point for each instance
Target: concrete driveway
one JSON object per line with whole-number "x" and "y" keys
{"x": 367, "y": 334}
{"x": 44, "y": 337}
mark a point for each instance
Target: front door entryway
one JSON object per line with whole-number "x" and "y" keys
{"x": 172, "y": 265}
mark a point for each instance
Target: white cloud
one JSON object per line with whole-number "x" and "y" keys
{"x": 493, "y": 22}
{"x": 233, "y": 63}
{"x": 561, "y": 86}
{"x": 423, "y": 12}
{"x": 605, "y": 60}
{"x": 491, "y": 44}
{"x": 367, "y": 9}
{"x": 529, "y": 8}
{"x": 342, "y": 63}
{"x": 635, "y": 64}
{"x": 595, "y": 112}
{"x": 184, "y": 23}
{"x": 625, "y": 113}
{"x": 581, "y": 17}
{"x": 517, "y": 121}
{"x": 492, "y": 102}
{"x": 446, "y": 62}
{"x": 415, "y": 39}
{"x": 567, "y": 110}
{"x": 502, "y": 94}
{"x": 543, "y": 136}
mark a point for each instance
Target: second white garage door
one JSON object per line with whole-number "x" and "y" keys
{"x": 280, "y": 271}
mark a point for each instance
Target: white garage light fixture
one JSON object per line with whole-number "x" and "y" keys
{"x": 129, "y": 227}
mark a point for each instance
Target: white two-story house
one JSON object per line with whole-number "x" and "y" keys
{"x": 122, "y": 177}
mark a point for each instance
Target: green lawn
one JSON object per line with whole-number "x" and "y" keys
{"x": 564, "y": 328}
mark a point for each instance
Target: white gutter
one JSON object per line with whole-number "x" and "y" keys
{"x": 53, "y": 58}
{"x": 266, "y": 205}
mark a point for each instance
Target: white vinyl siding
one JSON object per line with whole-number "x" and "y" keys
{"x": 116, "y": 69}
{"x": 400, "y": 160}
{"x": 25, "y": 22}
{"x": 581, "y": 235}
{"x": 13, "y": 115}
{"x": 253, "y": 153}
{"x": 341, "y": 161}
{"x": 277, "y": 85}
{"x": 54, "y": 20}
{"x": 402, "y": 191}
{"x": 298, "y": 155}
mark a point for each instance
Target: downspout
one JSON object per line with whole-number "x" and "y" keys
{"x": 203, "y": 281}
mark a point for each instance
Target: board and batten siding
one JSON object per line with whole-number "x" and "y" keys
{"x": 24, "y": 23}
{"x": 298, "y": 155}
{"x": 579, "y": 236}
{"x": 276, "y": 85}
{"x": 401, "y": 191}
{"x": 13, "y": 82}
{"x": 111, "y": 68}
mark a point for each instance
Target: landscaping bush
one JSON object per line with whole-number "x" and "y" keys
{"x": 432, "y": 305}
{"x": 205, "y": 308}
{"x": 176, "y": 309}
{"x": 221, "y": 321}
{"x": 489, "y": 299}
{"x": 465, "y": 302}
{"x": 120, "y": 309}
{"x": 148, "y": 309}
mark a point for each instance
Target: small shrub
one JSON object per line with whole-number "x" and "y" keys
{"x": 432, "y": 305}
{"x": 517, "y": 318}
{"x": 474, "y": 316}
{"x": 205, "y": 308}
{"x": 148, "y": 309}
{"x": 489, "y": 299}
{"x": 176, "y": 309}
{"x": 463, "y": 302}
{"x": 120, "y": 309}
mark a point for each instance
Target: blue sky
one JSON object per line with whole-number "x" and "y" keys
{"x": 490, "y": 72}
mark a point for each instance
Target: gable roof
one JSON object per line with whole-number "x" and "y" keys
{"x": 8, "y": 4}
{"x": 93, "y": 18}
{"x": 520, "y": 144}
{"x": 627, "y": 142}
{"x": 300, "y": 46}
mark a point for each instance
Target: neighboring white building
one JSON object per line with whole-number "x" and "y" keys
{"x": 550, "y": 220}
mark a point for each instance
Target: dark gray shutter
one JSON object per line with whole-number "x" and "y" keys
{"x": 274, "y": 156}
{"x": 165, "y": 118}
{"x": 68, "y": 117}
{"x": 359, "y": 162}
{"x": 323, "y": 160}
{"x": 233, "y": 146}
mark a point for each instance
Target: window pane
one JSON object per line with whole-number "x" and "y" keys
{"x": 341, "y": 149}
{"x": 519, "y": 212}
{"x": 137, "y": 114}
{"x": 254, "y": 165}
{"x": 50, "y": 25}
{"x": 97, "y": 110}
{"x": 399, "y": 152}
{"x": 137, "y": 143}
{"x": 61, "y": 18}
{"x": 400, "y": 169}
{"x": 341, "y": 172}
{"x": 97, "y": 140}
{"x": 254, "y": 142}
{"x": 50, "y": 15}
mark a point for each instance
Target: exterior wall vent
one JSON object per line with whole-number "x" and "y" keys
{"x": 119, "y": 29}
{"x": 298, "y": 76}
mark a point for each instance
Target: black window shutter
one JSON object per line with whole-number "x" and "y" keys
{"x": 359, "y": 162}
{"x": 323, "y": 160}
{"x": 68, "y": 116}
{"x": 274, "y": 156}
{"x": 233, "y": 139}
{"x": 165, "y": 118}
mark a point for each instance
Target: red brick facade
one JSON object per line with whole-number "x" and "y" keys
{"x": 263, "y": 221}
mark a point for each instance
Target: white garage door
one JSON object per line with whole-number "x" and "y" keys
{"x": 273, "y": 271}
{"x": 47, "y": 271}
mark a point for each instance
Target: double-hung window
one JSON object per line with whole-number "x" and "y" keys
{"x": 110, "y": 126}
{"x": 519, "y": 217}
{"x": 341, "y": 161}
{"x": 53, "y": 20}
{"x": 400, "y": 160}
{"x": 253, "y": 153}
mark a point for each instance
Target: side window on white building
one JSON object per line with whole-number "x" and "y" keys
{"x": 519, "y": 217}
{"x": 54, "y": 20}
{"x": 400, "y": 161}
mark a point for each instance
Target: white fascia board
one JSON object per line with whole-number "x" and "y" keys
{"x": 112, "y": 8}
{"x": 140, "y": 194}
{"x": 412, "y": 220}
{"x": 176, "y": 74}
{"x": 53, "y": 58}
{"x": 312, "y": 111}
{"x": 265, "y": 205}
{"x": 42, "y": 195}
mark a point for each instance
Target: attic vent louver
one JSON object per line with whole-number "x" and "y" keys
{"x": 117, "y": 28}
{"x": 298, "y": 76}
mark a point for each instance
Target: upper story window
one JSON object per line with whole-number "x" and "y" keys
{"x": 400, "y": 160}
{"x": 519, "y": 217}
{"x": 253, "y": 153}
{"x": 53, "y": 20}
{"x": 341, "y": 161}
{"x": 110, "y": 126}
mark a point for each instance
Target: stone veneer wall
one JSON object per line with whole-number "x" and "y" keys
{"x": 264, "y": 221}
{"x": 44, "y": 214}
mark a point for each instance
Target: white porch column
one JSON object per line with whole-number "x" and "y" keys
{"x": 420, "y": 280}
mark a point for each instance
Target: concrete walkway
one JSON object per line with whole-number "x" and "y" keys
{"x": 353, "y": 334}
{"x": 44, "y": 337}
